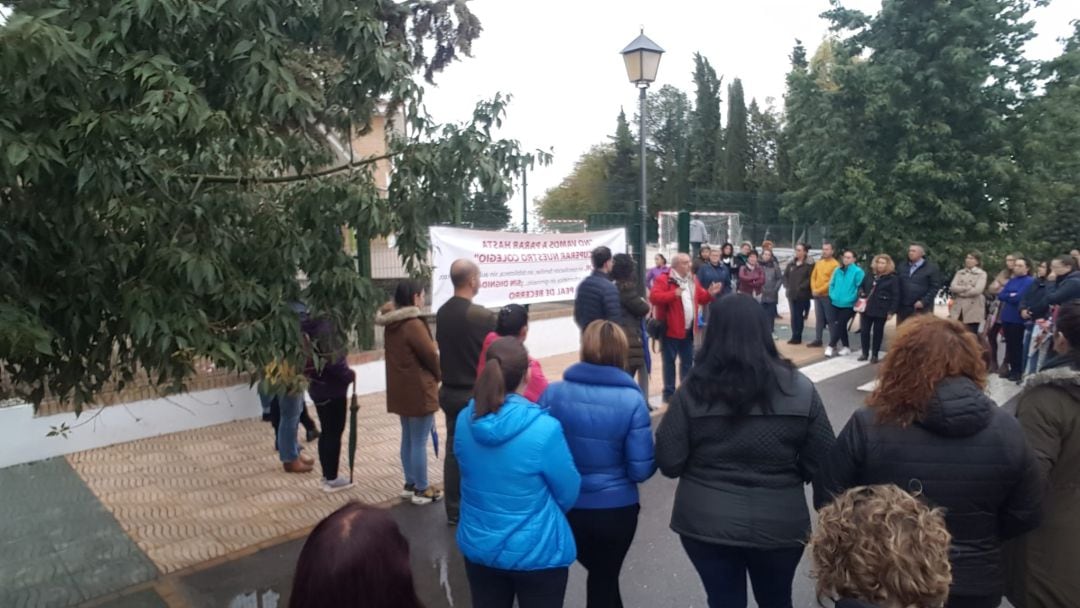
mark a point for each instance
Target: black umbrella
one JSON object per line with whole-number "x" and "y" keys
{"x": 354, "y": 407}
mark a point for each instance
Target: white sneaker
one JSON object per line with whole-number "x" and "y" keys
{"x": 829, "y": 352}
{"x": 336, "y": 485}
{"x": 427, "y": 497}
{"x": 845, "y": 351}
{"x": 407, "y": 491}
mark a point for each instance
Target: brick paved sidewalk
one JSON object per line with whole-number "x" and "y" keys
{"x": 184, "y": 499}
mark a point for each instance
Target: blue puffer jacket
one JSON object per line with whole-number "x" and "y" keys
{"x": 517, "y": 481}
{"x": 606, "y": 422}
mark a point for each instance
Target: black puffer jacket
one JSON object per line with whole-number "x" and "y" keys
{"x": 741, "y": 477}
{"x": 965, "y": 455}
{"x": 634, "y": 309}
{"x": 882, "y": 294}
{"x": 597, "y": 298}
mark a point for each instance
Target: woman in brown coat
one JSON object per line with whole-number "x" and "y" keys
{"x": 1044, "y": 563}
{"x": 412, "y": 384}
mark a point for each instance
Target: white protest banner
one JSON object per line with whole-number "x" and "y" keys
{"x": 518, "y": 268}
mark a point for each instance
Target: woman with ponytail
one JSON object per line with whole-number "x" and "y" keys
{"x": 517, "y": 481}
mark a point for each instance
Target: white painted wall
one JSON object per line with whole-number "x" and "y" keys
{"x": 23, "y": 438}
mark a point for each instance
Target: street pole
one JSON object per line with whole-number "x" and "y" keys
{"x": 642, "y": 262}
{"x": 524, "y": 200}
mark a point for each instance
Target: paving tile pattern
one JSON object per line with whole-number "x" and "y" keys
{"x": 60, "y": 546}
{"x": 197, "y": 495}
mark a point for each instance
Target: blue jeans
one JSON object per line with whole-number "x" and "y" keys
{"x": 799, "y": 310}
{"x": 770, "y": 312}
{"x": 266, "y": 401}
{"x": 288, "y": 445}
{"x": 823, "y": 316}
{"x": 683, "y": 350}
{"x": 723, "y": 570}
{"x": 414, "y": 433}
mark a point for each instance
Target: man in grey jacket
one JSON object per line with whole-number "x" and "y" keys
{"x": 699, "y": 234}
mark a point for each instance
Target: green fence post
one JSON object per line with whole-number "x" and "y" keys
{"x": 684, "y": 232}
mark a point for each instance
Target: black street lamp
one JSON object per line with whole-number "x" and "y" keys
{"x": 642, "y": 57}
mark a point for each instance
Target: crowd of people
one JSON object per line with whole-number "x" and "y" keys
{"x": 931, "y": 495}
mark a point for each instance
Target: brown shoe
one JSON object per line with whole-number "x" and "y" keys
{"x": 298, "y": 466}
{"x": 307, "y": 459}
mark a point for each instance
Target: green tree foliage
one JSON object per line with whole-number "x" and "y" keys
{"x": 582, "y": 192}
{"x": 913, "y": 135}
{"x": 624, "y": 173}
{"x": 167, "y": 172}
{"x": 736, "y": 142}
{"x": 705, "y": 132}
{"x": 485, "y": 211}
{"x": 763, "y": 136}
{"x": 1050, "y": 159}
{"x": 668, "y": 129}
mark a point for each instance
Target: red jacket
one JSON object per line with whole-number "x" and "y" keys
{"x": 669, "y": 307}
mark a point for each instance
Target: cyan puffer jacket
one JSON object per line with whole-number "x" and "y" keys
{"x": 517, "y": 481}
{"x": 606, "y": 422}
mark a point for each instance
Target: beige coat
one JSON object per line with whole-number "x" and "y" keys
{"x": 969, "y": 303}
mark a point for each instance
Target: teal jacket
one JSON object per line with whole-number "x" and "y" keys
{"x": 844, "y": 286}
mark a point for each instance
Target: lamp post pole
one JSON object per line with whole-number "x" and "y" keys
{"x": 644, "y": 210}
{"x": 524, "y": 200}
{"x": 642, "y": 58}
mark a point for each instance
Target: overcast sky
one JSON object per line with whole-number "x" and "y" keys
{"x": 559, "y": 59}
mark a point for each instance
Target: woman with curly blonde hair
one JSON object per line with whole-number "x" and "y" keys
{"x": 880, "y": 546}
{"x": 931, "y": 430}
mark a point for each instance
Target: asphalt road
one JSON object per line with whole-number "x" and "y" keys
{"x": 657, "y": 572}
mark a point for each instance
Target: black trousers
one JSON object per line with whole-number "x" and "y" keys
{"x": 452, "y": 401}
{"x": 1014, "y": 348}
{"x": 332, "y": 415}
{"x": 603, "y": 537}
{"x": 838, "y": 331}
{"x": 723, "y": 571}
{"x": 973, "y": 601}
{"x": 494, "y": 588}
{"x": 872, "y": 328}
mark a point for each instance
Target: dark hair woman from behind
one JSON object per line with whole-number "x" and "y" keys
{"x": 634, "y": 310}
{"x": 513, "y": 321}
{"x": 931, "y": 429}
{"x": 513, "y": 531}
{"x": 355, "y": 558}
{"x": 1043, "y": 564}
{"x": 743, "y": 434}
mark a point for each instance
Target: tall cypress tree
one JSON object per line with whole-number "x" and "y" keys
{"x": 705, "y": 124}
{"x": 623, "y": 175}
{"x": 736, "y": 144}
